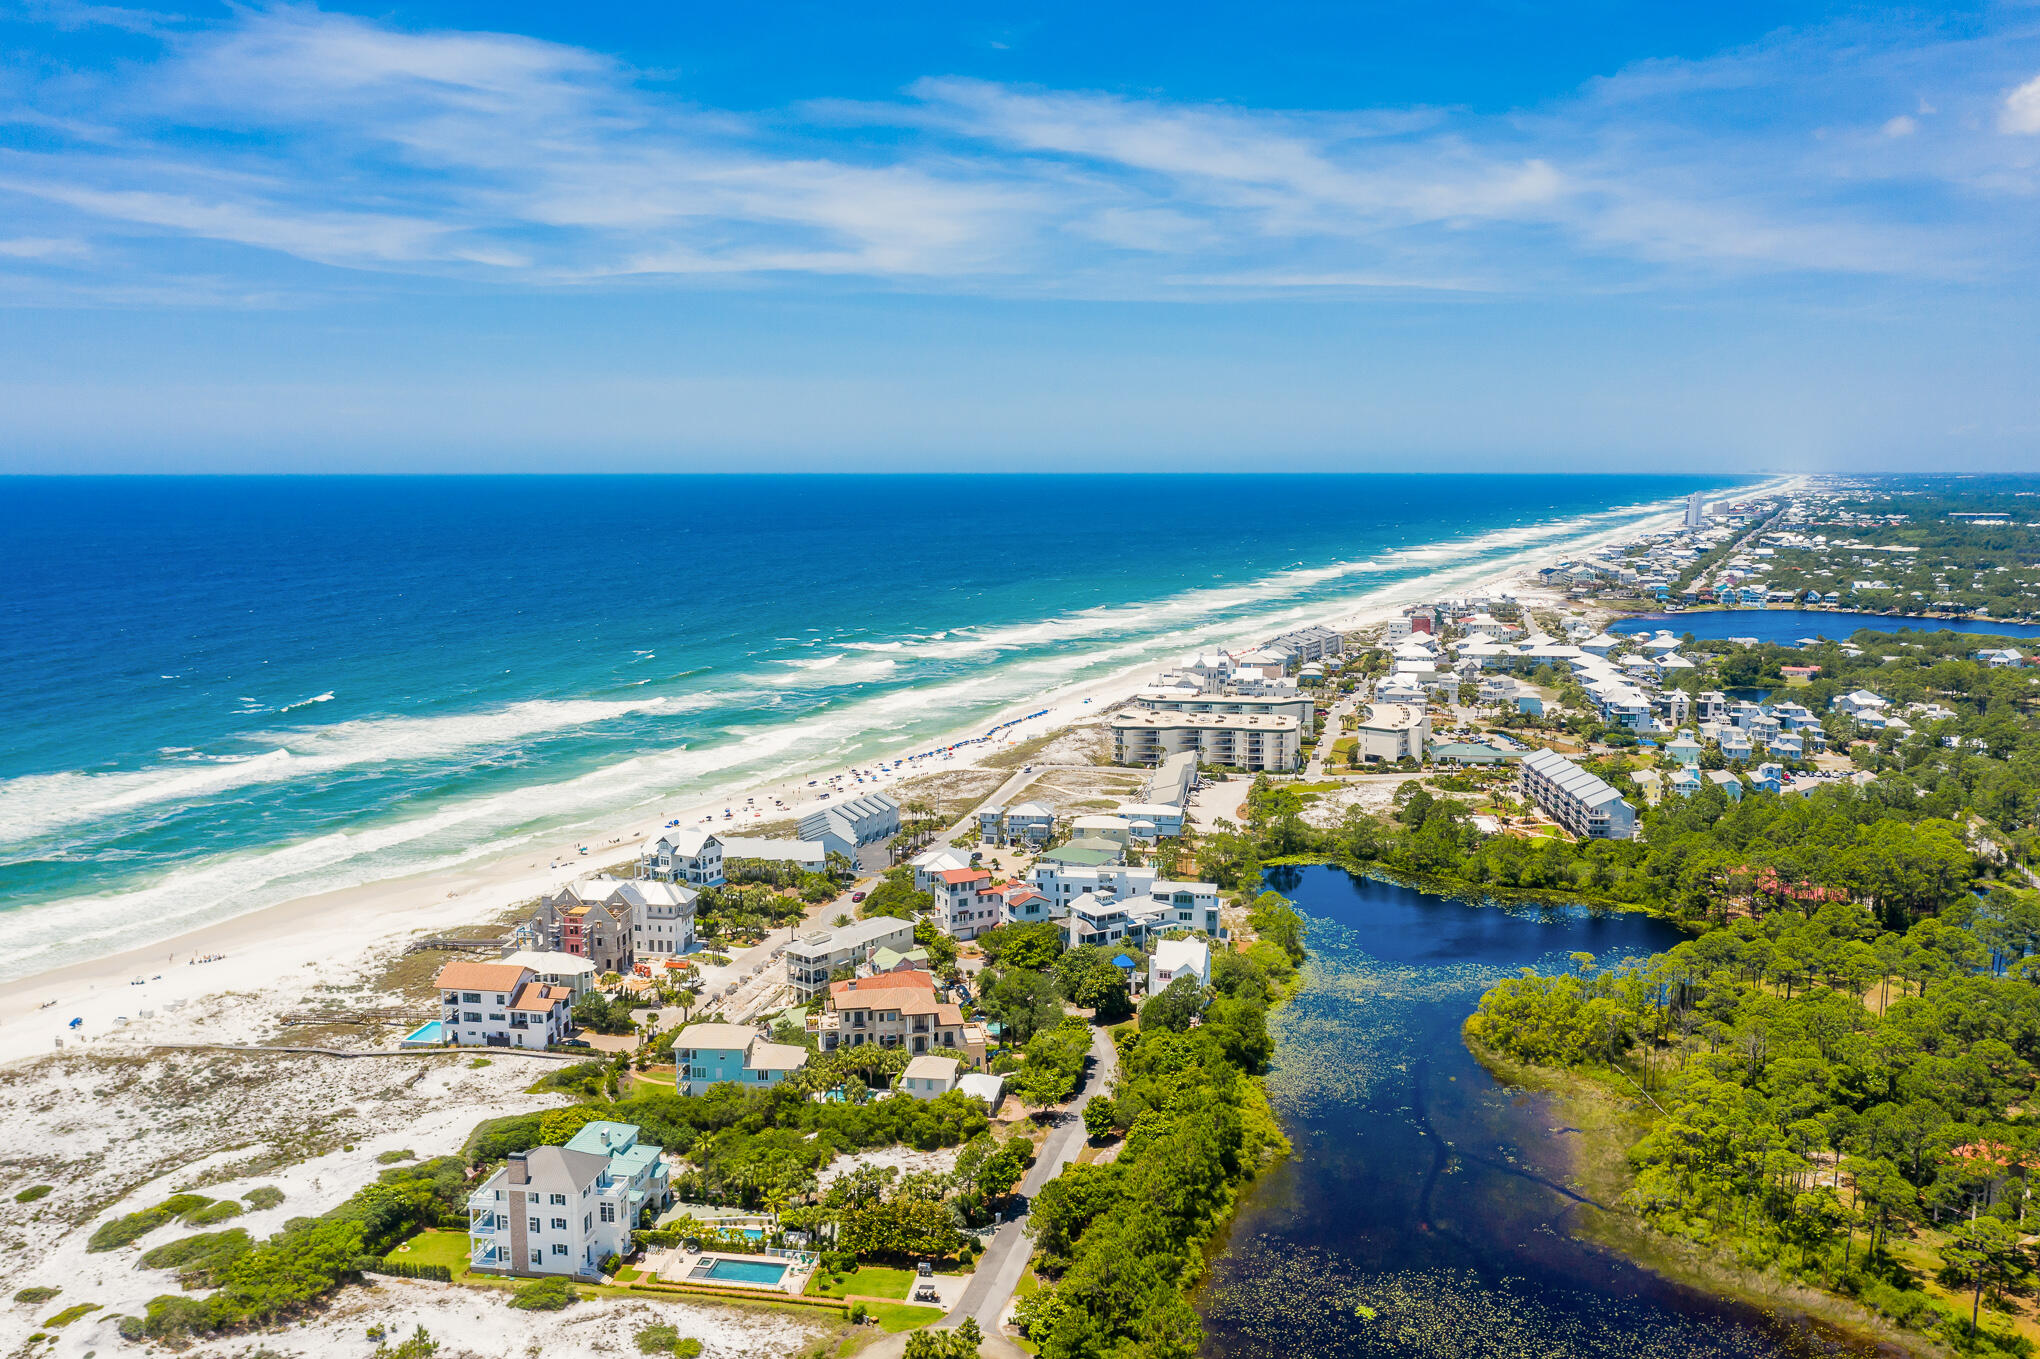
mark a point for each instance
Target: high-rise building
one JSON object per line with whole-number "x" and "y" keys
{"x": 1696, "y": 510}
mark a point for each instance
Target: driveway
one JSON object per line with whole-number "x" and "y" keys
{"x": 1005, "y": 1258}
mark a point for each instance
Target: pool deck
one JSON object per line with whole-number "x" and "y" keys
{"x": 675, "y": 1265}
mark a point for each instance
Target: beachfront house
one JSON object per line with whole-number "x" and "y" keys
{"x": 501, "y": 1005}
{"x": 699, "y": 857}
{"x": 564, "y": 1210}
{"x": 706, "y": 1055}
{"x": 661, "y": 918}
{"x": 812, "y": 957}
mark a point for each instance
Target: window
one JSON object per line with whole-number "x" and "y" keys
{"x": 534, "y": 1224}
{"x": 559, "y": 1200}
{"x": 559, "y": 1224}
{"x": 559, "y": 1248}
{"x": 473, "y": 1016}
{"x": 538, "y": 1257}
{"x": 471, "y": 997}
{"x": 588, "y": 1223}
{"x": 609, "y": 1212}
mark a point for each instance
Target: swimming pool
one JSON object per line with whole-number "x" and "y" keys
{"x": 722, "y": 1269}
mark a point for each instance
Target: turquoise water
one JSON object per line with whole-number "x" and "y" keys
{"x": 746, "y": 1271}
{"x": 229, "y": 692}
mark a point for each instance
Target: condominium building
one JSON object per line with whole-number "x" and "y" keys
{"x": 812, "y": 957}
{"x": 1300, "y": 706}
{"x": 1391, "y": 732}
{"x": 847, "y": 826}
{"x": 1581, "y": 802}
{"x": 1142, "y": 736}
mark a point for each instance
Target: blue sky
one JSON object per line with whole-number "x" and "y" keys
{"x": 1398, "y": 237}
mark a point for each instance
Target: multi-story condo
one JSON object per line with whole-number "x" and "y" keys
{"x": 895, "y": 1010}
{"x": 1142, "y": 736}
{"x": 1391, "y": 732}
{"x": 811, "y": 958}
{"x": 1310, "y": 644}
{"x": 847, "y": 826}
{"x": 501, "y": 1005}
{"x": 1300, "y": 706}
{"x": 714, "y": 1054}
{"x": 1577, "y": 800}
{"x": 564, "y": 1210}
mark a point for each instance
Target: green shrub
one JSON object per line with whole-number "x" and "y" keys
{"x": 35, "y": 1295}
{"x": 211, "y": 1213}
{"x": 545, "y": 1295}
{"x": 390, "y": 1158}
{"x": 199, "y": 1258}
{"x": 409, "y": 1269}
{"x": 263, "y": 1196}
{"x": 70, "y": 1314}
{"x": 173, "y": 1316}
{"x": 121, "y": 1231}
{"x": 32, "y": 1193}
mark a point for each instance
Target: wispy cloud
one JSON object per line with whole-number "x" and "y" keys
{"x": 340, "y": 142}
{"x": 2021, "y": 111}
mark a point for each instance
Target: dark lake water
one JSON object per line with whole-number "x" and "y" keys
{"x": 1786, "y": 626}
{"x": 1422, "y": 1189}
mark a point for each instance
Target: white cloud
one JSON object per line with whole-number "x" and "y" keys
{"x": 355, "y": 144}
{"x": 2021, "y": 111}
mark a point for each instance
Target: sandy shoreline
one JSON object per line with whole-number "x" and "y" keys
{"x": 312, "y": 937}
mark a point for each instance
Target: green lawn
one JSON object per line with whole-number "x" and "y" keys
{"x": 900, "y": 1316}
{"x": 433, "y": 1247}
{"x": 871, "y": 1281}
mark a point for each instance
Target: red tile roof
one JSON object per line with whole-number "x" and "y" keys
{"x": 468, "y": 976}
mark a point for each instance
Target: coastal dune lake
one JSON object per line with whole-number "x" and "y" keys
{"x": 1425, "y": 1210}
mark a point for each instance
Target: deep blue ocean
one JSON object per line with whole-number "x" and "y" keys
{"x": 220, "y": 693}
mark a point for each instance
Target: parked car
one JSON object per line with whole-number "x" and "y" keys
{"x": 857, "y": 896}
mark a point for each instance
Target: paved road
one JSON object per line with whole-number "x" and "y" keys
{"x": 1005, "y": 1259}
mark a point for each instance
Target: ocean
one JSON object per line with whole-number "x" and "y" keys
{"x": 222, "y": 693}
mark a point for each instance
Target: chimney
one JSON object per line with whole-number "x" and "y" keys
{"x": 519, "y": 1168}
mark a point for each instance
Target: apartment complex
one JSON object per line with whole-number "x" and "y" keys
{"x": 1391, "y": 732}
{"x": 1581, "y": 802}
{"x": 1250, "y": 741}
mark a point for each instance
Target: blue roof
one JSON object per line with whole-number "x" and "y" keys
{"x": 1121, "y": 960}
